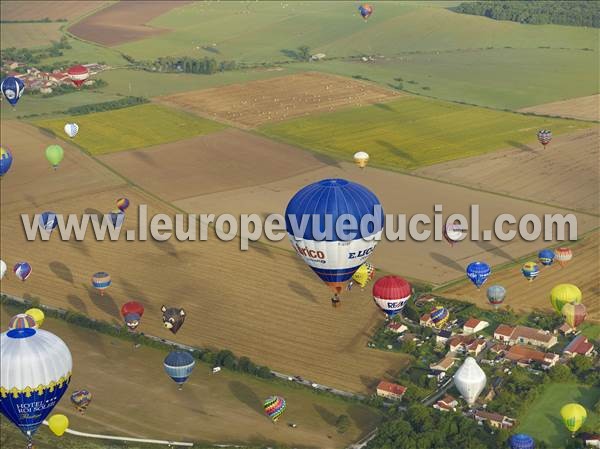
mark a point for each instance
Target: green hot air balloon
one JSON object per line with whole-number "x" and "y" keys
{"x": 55, "y": 154}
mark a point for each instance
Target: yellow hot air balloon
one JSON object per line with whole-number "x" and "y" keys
{"x": 364, "y": 274}
{"x": 573, "y": 416}
{"x": 361, "y": 159}
{"x": 37, "y": 315}
{"x": 58, "y": 424}
{"x": 563, "y": 294}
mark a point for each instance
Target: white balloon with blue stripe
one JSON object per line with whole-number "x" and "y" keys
{"x": 71, "y": 129}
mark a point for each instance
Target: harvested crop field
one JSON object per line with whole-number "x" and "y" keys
{"x": 112, "y": 370}
{"x": 133, "y": 127}
{"x": 583, "y": 108}
{"x": 224, "y": 160}
{"x": 258, "y": 102}
{"x": 53, "y": 10}
{"x": 583, "y": 270}
{"x": 123, "y": 22}
{"x": 28, "y": 35}
{"x": 565, "y": 174}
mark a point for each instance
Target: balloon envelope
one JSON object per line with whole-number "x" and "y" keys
{"x": 48, "y": 221}
{"x": 563, "y": 294}
{"x": 574, "y": 314}
{"x": 439, "y": 316}
{"x": 563, "y": 255}
{"x": 122, "y": 204}
{"x": 34, "y": 374}
{"x": 391, "y": 293}
{"x": 546, "y": 257}
{"x": 78, "y": 74}
{"x": 364, "y": 274}
{"x": 101, "y": 281}
{"x": 521, "y": 441}
{"x": 274, "y": 407}
{"x": 37, "y": 315}
{"x": 573, "y": 415}
{"x": 21, "y": 321}
{"x": 496, "y": 295}
{"x": 361, "y": 159}
{"x": 6, "y": 160}
{"x": 71, "y": 129}
{"x": 3, "y": 268}
{"x": 12, "y": 88}
{"x": 333, "y": 253}
{"x": 22, "y": 270}
{"x": 470, "y": 380}
{"x": 58, "y": 424}
{"x": 544, "y": 136}
{"x": 179, "y": 365}
{"x": 478, "y": 272}
{"x": 81, "y": 399}
{"x": 55, "y": 154}
{"x": 530, "y": 270}
{"x": 365, "y": 10}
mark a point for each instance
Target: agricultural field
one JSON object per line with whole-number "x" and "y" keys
{"x": 412, "y": 132}
{"x": 123, "y": 22}
{"x": 134, "y": 127}
{"x": 583, "y": 108}
{"x": 543, "y": 421}
{"x": 259, "y": 102}
{"x": 564, "y": 174}
{"x": 27, "y": 35}
{"x": 53, "y": 10}
{"x": 526, "y": 296}
{"x": 203, "y": 411}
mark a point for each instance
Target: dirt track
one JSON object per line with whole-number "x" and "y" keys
{"x": 39, "y": 9}
{"x": 123, "y": 22}
{"x": 566, "y": 173}
{"x": 584, "y": 108}
{"x": 257, "y": 102}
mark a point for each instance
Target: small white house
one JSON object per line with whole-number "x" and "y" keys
{"x": 473, "y": 325}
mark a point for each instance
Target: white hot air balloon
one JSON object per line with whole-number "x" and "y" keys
{"x": 470, "y": 380}
{"x": 71, "y": 129}
{"x": 2, "y": 269}
{"x": 34, "y": 374}
{"x": 361, "y": 159}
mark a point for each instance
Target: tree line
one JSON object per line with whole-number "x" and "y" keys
{"x": 44, "y": 20}
{"x": 537, "y": 12}
{"x": 106, "y": 105}
{"x": 34, "y": 56}
{"x": 204, "y": 66}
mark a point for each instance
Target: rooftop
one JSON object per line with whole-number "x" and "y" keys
{"x": 579, "y": 345}
{"x": 391, "y": 387}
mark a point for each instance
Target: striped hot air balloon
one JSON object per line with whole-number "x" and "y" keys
{"x": 101, "y": 281}
{"x": 544, "y": 136}
{"x": 81, "y": 399}
{"x": 71, "y": 129}
{"x": 530, "y": 270}
{"x": 22, "y": 270}
{"x": 573, "y": 415}
{"x": 21, "y": 321}
{"x": 365, "y": 11}
{"x": 439, "y": 316}
{"x": 122, "y": 204}
{"x": 546, "y": 257}
{"x": 274, "y": 407}
{"x": 6, "y": 160}
{"x": 78, "y": 74}
{"x": 521, "y": 441}
{"x": 563, "y": 255}
{"x": 496, "y": 295}
{"x": 362, "y": 276}
{"x": 391, "y": 294}
{"x": 179, "y": 365}
{"x": 574, "y": 314}
{"x": 563, "y": 294}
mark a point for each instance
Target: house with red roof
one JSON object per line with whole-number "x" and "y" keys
{"x": 446, "y": 404}
{"x": 524, "y": 335}
{"x": 580, "y": 345}
{"x": 474, "y": 325}
{"x": 390, "y": 390}
{"x": 525, "y": 355}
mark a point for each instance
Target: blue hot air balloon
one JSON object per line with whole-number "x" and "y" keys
{"x": 179, "y": 365}
{"x": 22, "y": 270}
{"x": 546, "y": 257}
{"x": 34, "y": 374}
{"x": 117, "y": 218}
{"x": 48, "y": 221}
{"x": 478, "y": 272}
{"x": 334, "y": 226}
{"x": 521, "y": 441}
{"x": 6, "y": 160}
{"x": 12, "y": 88}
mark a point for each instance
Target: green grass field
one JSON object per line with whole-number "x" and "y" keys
{"x": 29, "y": 35}
{"x": 135, "y": 127}
{"x": 543, "y": 420}
{"x": 414, "y": 131}
{"x": 590, "y": 330}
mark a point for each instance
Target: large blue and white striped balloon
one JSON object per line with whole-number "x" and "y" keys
{"x": 334, "y": 252}
{"x": 179, "y": 365}
{"x": 34, "y": 374}
{"x": 12, "y": 88}
{"x": 478, "y": 273}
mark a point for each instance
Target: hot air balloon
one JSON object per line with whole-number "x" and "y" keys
{"x": 132, "y": 312}
{"x": 574, "y": 314}
{"x": 470, "y": 380}
{"x": 55, "y": 154}
{"x": 563, "y": 294}
{"x": 179, "y": 365}
{"x": 3, "y": 269}
{"x": 365, "y": 11}
{"x": 173, "y": 318}
{"x": 573, "y": 416}
{"x": 453, "y": 233}
{"x": 22, "y": 270}
{"x": 81, "y": 399}
{"x": 563, "y": 255}
{"x": 521, "y": 441}
{"x": 478, "y": 272}
{"x": 71, "y": 129}
{"x": 6, "y": 160}
{"x": 48, "y": 221}
{"x": 122, "y": 204}
{"x": 362, "y": 276}
{"x": 117, "y": 218}
{"x": 274, "y": 407}
{"x": 314, "y": 218}
{"x": 361, "y": 159}
{"x": 439, "y": 316}
{"x": 101, "y": 281}
{"x": 37, "y": 315}
{"x": 12, "y": 88}
{"x": 34, "y": 374}
{"x": 78, "y": 74}
{"x": 496, "y": 295}
{"x": 530, "y": 270}
{"x": 544, "y": 136}
{"x": 21, "y": 321}
{"x": 391, "y": 293}
{"x": 546, "y": 257}
{"x": 58, "y": 424}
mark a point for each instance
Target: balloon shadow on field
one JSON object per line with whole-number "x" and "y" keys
{"x": 76, "y": 303}
{"x": 61, "y": 271}
{"x": 166, "y": 247}
{"x": 446, "y": 261}
{"x": 81, "y": 246}
{"x": 96, "y": 212}
{"x": 396, "y": 151}
{"x": 327, "y": 160}
{"x": 301, "y": 290}
{"x": 369, "y": 382}
{"x": 144, "y": 157}
{"x": 384, "y": 106}
{"x": 245, "y": 394}
{"x": 104, "y": 302}
{"x": 360, "y": 415}
{"x": 134, "y": 293}
{"x": 491, "y": 248}
{"x": 520, "y": 146}
{"x": 31, "y": 200}
{"x": 326, "y": 415}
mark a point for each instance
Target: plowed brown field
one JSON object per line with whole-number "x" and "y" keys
{"x": 584, "y": 108}
{"x": 38, "y": 10}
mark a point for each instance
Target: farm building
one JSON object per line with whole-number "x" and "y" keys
{"x": 495, "y": 420}
{"x": 473, "y": 325}
{"x": 390, "y": 390}
{"x": 443, "y": 365}
{"x": 446, "y": 404}
{"x": 565, "y": 329}
{"x": 466, "y": 344}
{"x": 425, "y": 320}
{"x": 580, "y": 345}
{"x": 397, "y": 328}
{"x": 524, "y": 355}
{"x": 524, "y": 335}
